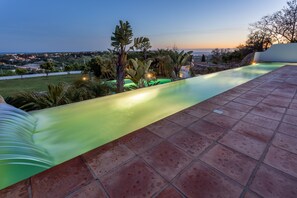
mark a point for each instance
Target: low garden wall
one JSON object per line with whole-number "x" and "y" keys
{"x": 278, "y": 53}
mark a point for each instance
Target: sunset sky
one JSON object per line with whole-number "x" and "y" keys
{"x": 83, "y": 25}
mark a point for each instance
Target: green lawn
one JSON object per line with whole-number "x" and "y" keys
{"x": 11, "y": 87}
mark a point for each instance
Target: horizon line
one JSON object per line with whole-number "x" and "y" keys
{"x": 74, "y": 51}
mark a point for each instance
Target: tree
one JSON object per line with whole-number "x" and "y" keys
{"x": 179, "y": 59}
{"x": 280, "y": 27}
{"x": 144, "y": 47}
{"x": 68, "y": 68}
{"x": 221, "y": 56}
{"x": 120, "y": 40}
{"x": 20, "y": 71}
{"x": 77, "y": 66}
{"x": 165, "y": 67}
{"x": 203, "y": 59}
{"x": 108, "y": 69}
{"x": 28, "y": 101}
{"x": 137, "y": 70}
{"x": 259, "y": 41}
{"x": 102, "y": 66}
{"x": 57, "y": 95}
{"x": 288, "y": 19}
{"x": 264, "y": 29}
{"x": 47, "y": 66}
{"x": 60, "y": 94}
{"x": 95, "y": 66}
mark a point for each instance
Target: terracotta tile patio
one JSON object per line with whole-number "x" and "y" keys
{"x": 241, "y": 143}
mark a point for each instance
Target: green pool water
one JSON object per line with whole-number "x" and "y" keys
{"x": 129, "y": 83}
{"x": 67, "y": 131}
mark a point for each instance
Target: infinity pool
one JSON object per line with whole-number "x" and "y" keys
{"x": 68, "y": 131}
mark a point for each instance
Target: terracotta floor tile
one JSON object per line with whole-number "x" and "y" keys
{"x": 190, "y": 142}
{"x": 282, "y": 160}
{"x": 259, "y": 93}
{"x": 241, "y": 89}
{"x": 272, "y": 184}
{"x": 140, "y": 141}
{"x": 18, "y": 190}
{"x": 197, "y": 112}
{"x": 251, "y": 84}
{"x": 293, "y": 105}
{"x": 284, "y": 92}
{"x": 275, "y": 113}
{"x": 233, "y": 113}
{"x": 92, "y": 190}
{"x": 292, "y": 112}
{"x": 167, "y": 159}
{"x": 291, "y": 81}
{"x": 169, "y": 192}
{"x": 219, "y": 100}
{"x": 200, "y": 181}
{"x": 277, "y": 101}
{"x": 59, "y": 181}
{"x": 231, "y": 95}
{"x": 182, "y": 119}
{"x": 107, "y": 157}
{"x": 288, "y": 129}
{"x": 253, "y": 131}
{"x": 285, "y": 142}
{"x": 164, "y": 128}
{"x": 206, "y": 105}
{"x": 239, "y": 107}
{"x": 220, "y": 120}
{"x": 272, "y": 108}
{"x": 244, "y": 144}
{"x": 262, "y": 92}
{"x": 228, "y": 96}
{"x": 294, "y": 100}
{"x": 261, "y": 121}
{"x": 245, "y": 101}
{"x": 252, "y": 96}
{"x": 267, "y": 86}
{"x": 250, "y": 194}
{"x": 207, "y": 129}
{"x": 290, "y": 119}
{"x": 236, "y": 91}
{"x": 233, "y": 164}
{"x": 134, "y": 179}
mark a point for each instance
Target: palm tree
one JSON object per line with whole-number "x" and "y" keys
{"x": 57, "y": 95}
{"x": 164, "y": 63}
{"x": 108, "y": 67}
{"x": 28, "y": 101}
{"x": 121, "y": 39}
{"x": 179, "y": 59}
{"x": 144, "y": 47}
{"x": 137, "y": 70}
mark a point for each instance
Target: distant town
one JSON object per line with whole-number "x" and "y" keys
{"x": 31, "y": 62}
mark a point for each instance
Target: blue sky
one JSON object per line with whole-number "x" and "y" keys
{"x": 82, "y": 25}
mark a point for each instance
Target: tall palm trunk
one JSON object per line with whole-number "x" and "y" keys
{"x": 121, "y": 71}
{"x": 144, "y": 54}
